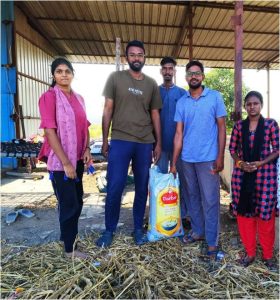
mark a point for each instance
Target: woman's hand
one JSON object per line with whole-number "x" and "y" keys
{"x": 248, "y": 166}
{"x": 87, "y": 156}
{"x": 70, "y": 171}
{"x": 257, "y": 164}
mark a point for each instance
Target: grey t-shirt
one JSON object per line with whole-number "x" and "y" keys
{"x": 133, "y": 102}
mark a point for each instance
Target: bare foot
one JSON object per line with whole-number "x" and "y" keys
{"x": 76, "y": 254}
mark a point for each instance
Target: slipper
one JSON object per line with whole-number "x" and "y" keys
{"x": 11, "y": 217}
{"x": 246, "y": 260}
{"x": 26, "y": 213}
{"x": 271, "y": 265}
{"x": 189, "y": 239}
{"x": 140, "y": 238}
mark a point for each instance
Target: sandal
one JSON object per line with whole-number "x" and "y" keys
{"x": 246, "y": 260}
{"x": 105, "y": 240}
{"x": 216, "y": 254}
{"x": 186, "y": 224}
{"x": 190, "y": 239}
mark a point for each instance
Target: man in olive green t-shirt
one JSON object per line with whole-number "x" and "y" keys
{"x": 132, "y": 103}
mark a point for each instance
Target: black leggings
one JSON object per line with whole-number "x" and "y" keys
{"x": 69, "y": 194}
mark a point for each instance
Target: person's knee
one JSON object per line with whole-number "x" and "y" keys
{"x": 69, "y": 214}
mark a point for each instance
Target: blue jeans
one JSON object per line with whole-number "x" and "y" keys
{"x": 164, "y": 165}
{"x": 203, "y": 194}
{"x": 120, "y": 155}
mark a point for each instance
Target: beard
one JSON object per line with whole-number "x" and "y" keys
{"x": 167, "y": 78}
{"x": 136, "y": 66}
{"x": 195, "y": 85}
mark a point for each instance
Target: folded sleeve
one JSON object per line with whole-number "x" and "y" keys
{"x": 47, "y": 110}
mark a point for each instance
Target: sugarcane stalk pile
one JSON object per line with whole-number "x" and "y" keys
{"x": 160, "y": 270}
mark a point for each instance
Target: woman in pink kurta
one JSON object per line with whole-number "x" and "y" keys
{"x": 65, "y": 149}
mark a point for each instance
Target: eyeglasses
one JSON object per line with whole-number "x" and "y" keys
{"x": 134, "y": 55}
{"x": 197, "y": 73}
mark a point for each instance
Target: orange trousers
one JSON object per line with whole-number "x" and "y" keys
{"x": 253, "y": 227}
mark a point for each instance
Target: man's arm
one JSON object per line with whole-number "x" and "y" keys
{"x": 156, "y": 123}
{"x": 219, "y": 163}
{"x": 106, "y": 123}
{"x": 178, "y": 143}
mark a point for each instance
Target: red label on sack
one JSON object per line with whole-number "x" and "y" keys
{"x": 170, "y": 197}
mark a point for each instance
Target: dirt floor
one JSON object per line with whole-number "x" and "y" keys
{"x": 37, "y": 195}
{"x": 34, "y": 267}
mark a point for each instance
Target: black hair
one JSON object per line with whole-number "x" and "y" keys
{"x": 195, "y": 63}
{"x": 168, "y": 60}
{"x": 253, "y": 94}
{"x": 134, "y": 43}
{"x": 60, "y": 61}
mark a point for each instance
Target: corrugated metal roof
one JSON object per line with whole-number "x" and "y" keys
{"x": 85, "y": 31}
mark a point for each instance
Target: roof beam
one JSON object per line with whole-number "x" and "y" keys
{"x": 160, "y": 57}
{"x": 164, "y": 44}
{"x": 213, "y": 4}
{"x": 271, "y": 60}
{"x": 253, "y": 8}
{"x": 37, "y": 26}
{"x": 151, "y": 25}
{"x": 181, "y": 34}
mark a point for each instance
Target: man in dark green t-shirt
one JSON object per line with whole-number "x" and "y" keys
{"x": 132, "y": 103}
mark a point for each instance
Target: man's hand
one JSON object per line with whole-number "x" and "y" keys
{"x": 173, "y": 170}
{"x": 156, "y": 153}
{"x": 105, "y": 148}
{"x": 218, "y": 165}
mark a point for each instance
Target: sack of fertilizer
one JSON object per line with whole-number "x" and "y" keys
{"x": 165, "y": 217}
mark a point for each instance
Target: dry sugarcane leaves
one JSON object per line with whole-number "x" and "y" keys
{"x": 160, "y": 270}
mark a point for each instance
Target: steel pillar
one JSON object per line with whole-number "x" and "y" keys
{"x": 190, "y": 35}
{"x": 268, "y": 90}
{"x": 237, "y": 21}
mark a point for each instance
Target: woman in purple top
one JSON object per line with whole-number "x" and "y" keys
{"x": 65, "y": 149}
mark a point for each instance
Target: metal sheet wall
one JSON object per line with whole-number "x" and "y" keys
{"x": 33, "y": 67}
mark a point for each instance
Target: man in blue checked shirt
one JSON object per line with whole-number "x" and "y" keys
{"x": 170, "y": 94}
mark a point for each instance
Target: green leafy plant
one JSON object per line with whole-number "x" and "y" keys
{"x": 222, "y": 80}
